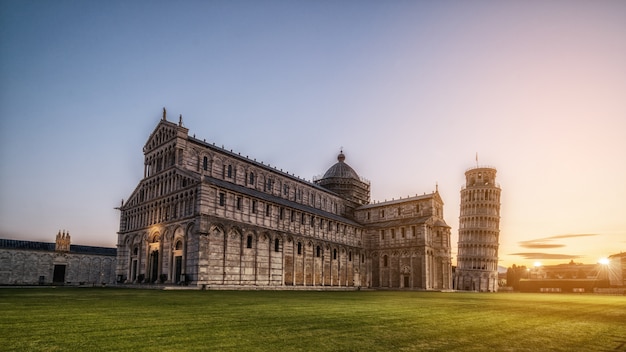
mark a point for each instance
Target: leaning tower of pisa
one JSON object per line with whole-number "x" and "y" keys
{"x": 479, "y": 230}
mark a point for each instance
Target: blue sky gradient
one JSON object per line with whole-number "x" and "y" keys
{"x": 411, "y": 90}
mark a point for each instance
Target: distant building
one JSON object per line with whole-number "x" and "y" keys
{"x": 59, "y": 263}
{"x": 570, "y": 270}
{"x": 479, "y": 232}
{"x": 571, "y": 277}
{"x": 209, "y": 217}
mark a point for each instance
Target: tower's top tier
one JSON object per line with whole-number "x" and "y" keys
{"x": 480, "y": 176}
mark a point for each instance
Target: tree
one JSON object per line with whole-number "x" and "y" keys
{"x": 514, "y": 274}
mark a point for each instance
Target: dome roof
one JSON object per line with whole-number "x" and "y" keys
{"x": 341, "y": 169}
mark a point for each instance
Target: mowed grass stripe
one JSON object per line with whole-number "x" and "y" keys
{"x": 66, "y": 319}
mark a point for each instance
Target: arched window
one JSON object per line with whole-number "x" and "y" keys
{"x": 299, "y": 248}
{"x": 249, "y": 242}
{"x": 276, "y": 245}
{"x": 384, "y": 260}
{"x": 318, "y": 252}
{"x": 205, "y": 163}
{"x": 230, "y": 171}
{"x": 334, "y": 254}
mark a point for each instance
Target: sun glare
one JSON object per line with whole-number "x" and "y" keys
{"x": 603, "y": 261}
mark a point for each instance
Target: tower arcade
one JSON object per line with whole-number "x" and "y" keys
{"x": 479, "y": 231}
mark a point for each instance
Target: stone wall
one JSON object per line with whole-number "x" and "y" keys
{"x": 28, "y": 267}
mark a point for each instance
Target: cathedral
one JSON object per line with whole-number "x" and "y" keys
{"x": 208, "y": 217}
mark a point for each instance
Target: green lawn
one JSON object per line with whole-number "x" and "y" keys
{"x": 80, "y": 319}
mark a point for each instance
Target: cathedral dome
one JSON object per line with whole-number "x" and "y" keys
{"x": 341, "y": 169}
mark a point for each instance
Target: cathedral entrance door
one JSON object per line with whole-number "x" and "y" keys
{"x": 133, "y": 273}
{"x": 59, "y": 274}
{"x": 154, "y": 266}
{"x": 406, "y": 281}
{"x": 178, "y": 262}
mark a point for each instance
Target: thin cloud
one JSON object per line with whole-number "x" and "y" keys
{"x": 545, "y": 256}
{"x": 573, "y": 235}
{"x": 542, "y": 243}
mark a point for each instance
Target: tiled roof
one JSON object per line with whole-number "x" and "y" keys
{"x": 396, "y": 201}
{"x": 78, "y": 249}
{"x": 46, "y": 246}
{"x": 31, "y": 245}
{"x": 277, "y": 200}
{"x": 260, "y": 165}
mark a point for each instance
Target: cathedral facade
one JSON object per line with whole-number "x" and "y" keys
{"x": 208, "y": 217}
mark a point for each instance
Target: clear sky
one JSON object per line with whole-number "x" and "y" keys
{"x": 411, "y": 90}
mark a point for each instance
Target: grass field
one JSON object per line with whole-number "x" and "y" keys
{"x": 65, "y": 319}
